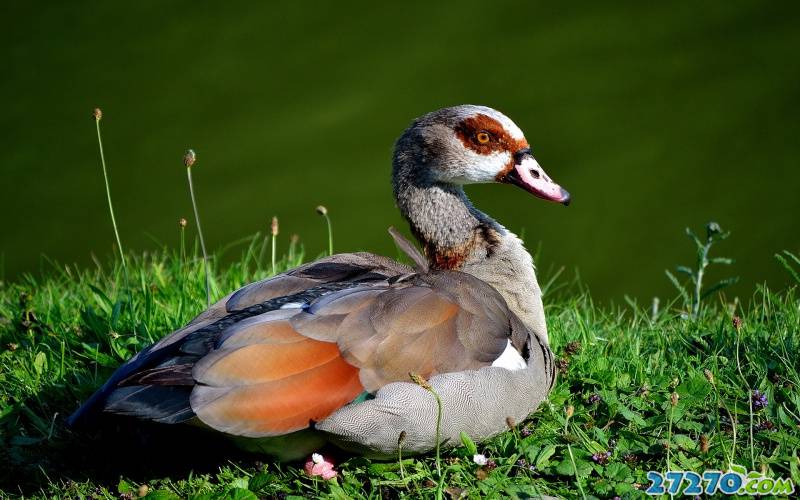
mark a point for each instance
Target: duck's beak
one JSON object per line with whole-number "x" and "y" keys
{"x": 528, "y": 175}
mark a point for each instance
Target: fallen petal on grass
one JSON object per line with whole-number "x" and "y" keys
{"x": 319, "y": 466}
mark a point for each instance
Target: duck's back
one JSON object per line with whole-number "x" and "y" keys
{"x": 281, "y": 354}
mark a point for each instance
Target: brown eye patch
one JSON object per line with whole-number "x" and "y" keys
{"x": 485, "y": 135}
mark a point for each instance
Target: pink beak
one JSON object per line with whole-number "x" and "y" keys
{"x": 528, "y": 175}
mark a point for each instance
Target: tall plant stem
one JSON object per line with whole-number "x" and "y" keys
{"x": 669, "y": 437}
{"x": 321, "y": 210}
{"x": 98, "y": 115}
{"x": 200, "y": 234}
{"x": 438, "y": 431}
{"x": 400, "y": 459}
{"x": 183, "y": 244}
{"x": 274, "y": 270}
{"x": 274, "y": 232}
{"x": 420, "y": 381}
{"x": 330, "y": 235}
{"x": 749, "y": 399}
{"x": 571, "y": 456}
{"x": 108, "y": 190}
{"x": 717, "y": 401}
{"x": 702, "y": 263}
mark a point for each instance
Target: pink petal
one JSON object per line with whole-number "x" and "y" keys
{"x": 323, "y": 469}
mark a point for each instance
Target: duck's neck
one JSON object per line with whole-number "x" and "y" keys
{"x": 457, "y": 236}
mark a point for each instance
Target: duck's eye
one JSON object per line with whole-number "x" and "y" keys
{"x": 483, "y": 137}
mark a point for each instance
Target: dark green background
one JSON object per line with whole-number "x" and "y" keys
{"x": 654, "y": 115}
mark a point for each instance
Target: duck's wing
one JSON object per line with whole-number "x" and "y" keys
{"x": 479, "y": 403}
{"x": 312, "y": 279}
{"x": 267, "y": 363}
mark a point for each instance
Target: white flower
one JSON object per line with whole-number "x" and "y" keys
{"x": 317, "y": 458}
{"x": 479, "y": 459}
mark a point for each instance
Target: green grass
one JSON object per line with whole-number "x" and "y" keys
{"x": 63, "y": 333}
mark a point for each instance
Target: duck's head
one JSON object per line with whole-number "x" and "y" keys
{"x": 471, "y": 145}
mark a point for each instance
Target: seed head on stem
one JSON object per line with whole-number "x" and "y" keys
{"x": 182, "y": 223}
{"x": 511, "y": 423}
{"x": 420, "y": 381}
{"x": 321, "y": 210}
{"x": 98, "y": 115}
{"x": 189, "y": 159}
{"x": 274, "y": 230}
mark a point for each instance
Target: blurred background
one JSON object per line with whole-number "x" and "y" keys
{"x": 655, "y": 116}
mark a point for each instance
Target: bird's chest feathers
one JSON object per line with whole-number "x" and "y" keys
{"x": 510, "y": 270}
{"x": 475, "y": 246}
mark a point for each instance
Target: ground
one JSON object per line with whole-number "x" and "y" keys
{"x": 641, "y": 387}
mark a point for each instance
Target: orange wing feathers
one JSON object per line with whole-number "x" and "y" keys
{"x": 281, "y": 405}
{"x": 266, "y": 379}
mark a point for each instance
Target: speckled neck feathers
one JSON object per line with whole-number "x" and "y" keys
{"x": 451, "y": 231}
{"x": 457, "y": 236}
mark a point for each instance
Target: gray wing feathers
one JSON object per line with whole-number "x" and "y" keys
{"x": 476, "y": 402}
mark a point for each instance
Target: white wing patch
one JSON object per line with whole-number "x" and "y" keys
{"x": 510, "y": 359}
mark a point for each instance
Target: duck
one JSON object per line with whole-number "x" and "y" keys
{"x": 322, "y": 354}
